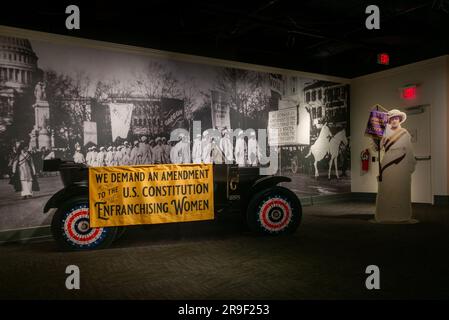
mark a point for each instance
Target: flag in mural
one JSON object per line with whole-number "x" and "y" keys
{"x": 220, "y": 110}
{"x": 120, "y": 119}
{"x": 173, "y": 113}
{"x": 90, "y": 132}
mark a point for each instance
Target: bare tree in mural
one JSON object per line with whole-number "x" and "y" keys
{"x": 190, "y": 95}
{"x": 68, "y": 98}
{"x": 202, "y": 109}
{"x": 157, "y": 81}
{"x": 80, "y": 110}
{"x": 112, "y": 89}
{"x": 246, "y": 91}
{"x": 5, "y": 119}
{"x": 16, "y": 121}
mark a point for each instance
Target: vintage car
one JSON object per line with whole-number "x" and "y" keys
{"x": 269, "y": 208}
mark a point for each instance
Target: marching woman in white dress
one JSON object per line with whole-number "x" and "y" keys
{"x": 252, "y": 149}
{"x": 393, "y": 204}
{"x": 226, "y": 146}
{"x": 197, "y": 153}
{"x": 24, "y": 171}
{"x": 239, "y": 151}
{"x": 206, "y": 146}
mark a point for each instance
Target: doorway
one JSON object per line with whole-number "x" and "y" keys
{"x": 419, "y": 126}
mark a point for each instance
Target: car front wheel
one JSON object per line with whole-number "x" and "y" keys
{"x": 274, "y": 211}
{"x": 72, "y": 232}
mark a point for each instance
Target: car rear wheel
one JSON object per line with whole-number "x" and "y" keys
{"x": 274, "y": 211}
{"x": 72, "y": 232}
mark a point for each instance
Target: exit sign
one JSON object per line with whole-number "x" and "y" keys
{"x": 383, "y": 58}
{"x": 408, "y": 92}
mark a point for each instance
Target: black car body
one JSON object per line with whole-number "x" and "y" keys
{"x": 269, "y": 208}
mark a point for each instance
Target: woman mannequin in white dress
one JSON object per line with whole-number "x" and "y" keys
{"x": 393, "y": 203}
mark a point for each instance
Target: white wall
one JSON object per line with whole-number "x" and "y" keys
{"x": 383, "y": 88}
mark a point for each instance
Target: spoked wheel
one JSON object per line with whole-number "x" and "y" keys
{"x": 274, "y": 211}
{"x": 71, "y": 230}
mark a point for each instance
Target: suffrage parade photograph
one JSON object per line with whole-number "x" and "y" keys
{"x": 122, "y": 109}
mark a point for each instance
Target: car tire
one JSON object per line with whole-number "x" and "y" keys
{"x": 71, "y": 231}
{"x": 274, "y": 211}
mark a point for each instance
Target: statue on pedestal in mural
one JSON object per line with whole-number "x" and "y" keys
{"x": 40, "y": 134}
{"x": 39, "y": 92}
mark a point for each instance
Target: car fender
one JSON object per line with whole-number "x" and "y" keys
{"x": 62, "y": 195}
{"x": 259, "y": 185}
{"x": 267, "y": 182}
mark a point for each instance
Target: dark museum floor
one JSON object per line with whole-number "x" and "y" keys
{"x": 325, "y": 259}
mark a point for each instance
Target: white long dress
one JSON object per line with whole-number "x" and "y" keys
{"x": 78, "y": 157}
{"x": 393, "y": 203}
{"x": 240, "y": 151}
{"x": 252, "y": 151}
{"x": 175, "y": 154}
{"x": 25, "y": 165}
{"x": 185, "y": 152}
{"x": 206, "y": 150}
{"x": 89, "y": 158}
{"x": 226, "y": 146}
{"x": 196, "y": 151}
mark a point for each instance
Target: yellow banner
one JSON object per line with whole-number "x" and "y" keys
{"x": 149, "y": 194}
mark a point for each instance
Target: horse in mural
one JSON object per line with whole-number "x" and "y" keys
{"x": 334, "y": 150}
{"x": 321, "y": 147}
{"x": 327, "y": 144}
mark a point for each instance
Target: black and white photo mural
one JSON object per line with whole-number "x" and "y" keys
{"x": 312, "y": 120}
{"x": 104, "y": 107}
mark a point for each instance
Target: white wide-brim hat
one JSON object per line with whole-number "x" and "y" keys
{"x": 396, "y": 113}
{"x": 175, "y": 139}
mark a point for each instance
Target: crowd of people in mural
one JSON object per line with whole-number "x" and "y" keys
{"x": 26, "y": 165}
{"x": 205, "y": 148}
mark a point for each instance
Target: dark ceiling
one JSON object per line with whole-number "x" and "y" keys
{"x": 322, "y": 36}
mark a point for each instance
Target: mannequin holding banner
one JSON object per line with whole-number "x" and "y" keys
{"x": 393, "y": 203}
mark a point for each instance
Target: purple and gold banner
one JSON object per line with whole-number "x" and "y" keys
{"x": 377, "y": 123}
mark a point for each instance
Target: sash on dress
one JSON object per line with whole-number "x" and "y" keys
{"x": 389, "y": 142}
